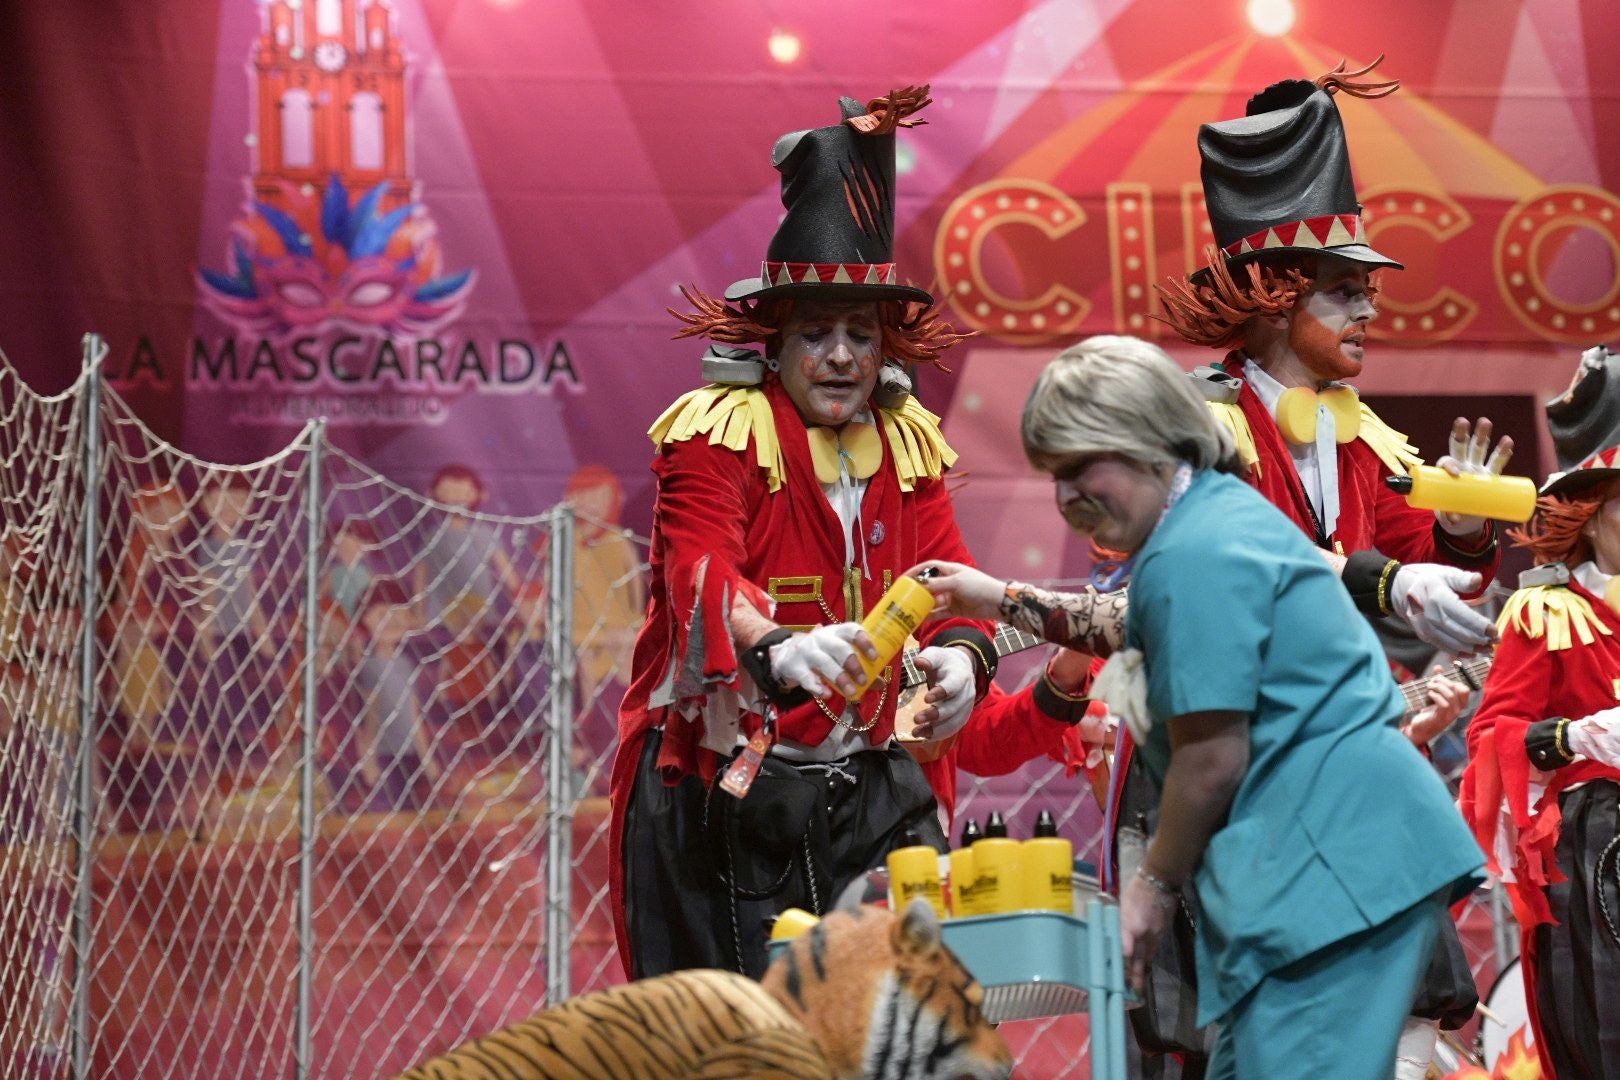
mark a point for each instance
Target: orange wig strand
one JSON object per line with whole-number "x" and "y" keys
{"x": 1555, "y": 533}
{"x": 1214, "y": 313}
{"x": 912, "y": 334}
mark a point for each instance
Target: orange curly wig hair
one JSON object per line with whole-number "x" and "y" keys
{"x": 912, "y": 334}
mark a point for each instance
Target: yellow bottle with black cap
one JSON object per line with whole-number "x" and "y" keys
{"x": 1048, "y": 868}
{"x": 895, "y": 617}
{"x": 963, "y": 884}
{"x": 1486, "y": 495}
{"x": 997, "y": 870}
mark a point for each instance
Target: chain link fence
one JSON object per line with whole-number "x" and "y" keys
{"x": 304, "y": 773}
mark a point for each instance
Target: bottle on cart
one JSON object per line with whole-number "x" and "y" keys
{"x": 1048, "y": 864}
{"x": 996, "y": 826}
{"x": 997, "y": 871}
{"x": 913, "y": 874}
{"x": 961, "y": 880}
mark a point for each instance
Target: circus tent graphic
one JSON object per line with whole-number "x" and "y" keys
{"x": 1109, "y": 202}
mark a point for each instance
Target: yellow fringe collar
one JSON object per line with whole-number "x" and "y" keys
{"x": 1554, "y": 612}
{"x": 1391, "y": 446}
{"x": 732, "y": 416}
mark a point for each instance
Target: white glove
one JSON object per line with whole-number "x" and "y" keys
{"x": 949, "y": 670}
{"x": 1467, "y": 456}
{"x": 1122, "y": 686}
{"x": 1425, "y": 595}
{"x": 1596, "y": 737}
{"x": 816, "y": 658}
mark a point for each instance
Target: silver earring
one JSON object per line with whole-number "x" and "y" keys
{"x": 772, "y": 363}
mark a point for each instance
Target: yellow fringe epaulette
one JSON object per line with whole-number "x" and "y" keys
{"x": 918, "y": 446}
{"x": 730, "y": 416}
{"x": 1232, "y": 416}
{"x": 1391, "y": 446}
{"x": 1555, "y": 612}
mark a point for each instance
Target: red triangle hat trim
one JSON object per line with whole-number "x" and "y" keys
{"x": 1287, "y": 234}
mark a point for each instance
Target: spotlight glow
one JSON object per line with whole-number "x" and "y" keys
{"x": 784, "y": 46}
{"x": 1273, "y": 18}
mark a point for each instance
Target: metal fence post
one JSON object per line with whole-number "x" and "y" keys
{"x": 1504, "y": 929}
{"x": 559, "y": 757}
{"x": 95, "y": 350}
{"x": 303, "y": 1046}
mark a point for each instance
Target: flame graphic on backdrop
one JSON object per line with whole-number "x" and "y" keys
{"x": 329, "y": 261}
{"x": 1517, "y": 1062}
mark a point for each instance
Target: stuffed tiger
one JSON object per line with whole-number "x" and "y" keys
{"x": 862, "y": 994}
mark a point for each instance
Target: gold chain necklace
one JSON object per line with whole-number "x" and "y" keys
{"x": 882, "y": 696}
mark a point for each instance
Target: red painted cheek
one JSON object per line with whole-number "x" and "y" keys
{"x": 1319, "y": 348}
{"x": 866, "y": 364}
{"x": 807, "y": 368}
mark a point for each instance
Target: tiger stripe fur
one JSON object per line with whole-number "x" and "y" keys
{"x": 863, "y": 995}
{"x": 916, "y": 1015}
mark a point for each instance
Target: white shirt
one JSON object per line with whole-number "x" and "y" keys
{"x": 1306, "y": 459}
{"x": 1591, "y": 578}
{"x": 845, "y": 495}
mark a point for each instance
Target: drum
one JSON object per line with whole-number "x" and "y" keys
{"x": 1508, "y": 1015}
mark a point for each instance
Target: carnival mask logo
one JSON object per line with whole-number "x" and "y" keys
{"x": 331, "y": 117}
{"x": 332, "y": 262}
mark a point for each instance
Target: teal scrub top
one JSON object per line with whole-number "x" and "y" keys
{"x": 1339, "y": 823}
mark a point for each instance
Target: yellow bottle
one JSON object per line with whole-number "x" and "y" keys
{"x": 997, "y": 875}
{"x": 895, "y": 617}
{"x": 1505, "y": 498}
{"x": 962, "y": 890}
{"x": 791, "y": 923}
{"x": 1049, "y": 874}
{"x": 913, "y": 873}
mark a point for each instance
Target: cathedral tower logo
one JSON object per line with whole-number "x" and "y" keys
{"x": 333, "y": 234}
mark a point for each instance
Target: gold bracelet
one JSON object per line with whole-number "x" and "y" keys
{"x": 1561, "y": 740}
{"x": 1383, "y": 585}
{"x": 984, "y": 663}
{"x": 1073, "y": 699}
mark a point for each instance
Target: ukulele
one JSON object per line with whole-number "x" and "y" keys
{"x": 1006, "y": 641}
{"x": 1471, "y": 673}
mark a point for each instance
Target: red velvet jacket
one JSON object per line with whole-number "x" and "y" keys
{"x": 1006, "y": 732}
{"x": 1370, "y": 515}
{"x": 1530, "y": 682}
{"x": 719, "y": 531}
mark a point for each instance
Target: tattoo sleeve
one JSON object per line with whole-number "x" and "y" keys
{"x": 1089, "y": 621}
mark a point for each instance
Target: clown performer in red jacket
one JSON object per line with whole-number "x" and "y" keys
{"x": 792, "y": 491}
{"x": 1289, "y": 290}
{"x": 1542, "y": 788}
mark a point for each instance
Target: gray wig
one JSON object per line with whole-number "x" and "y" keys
{"x": 1122, "y": 395}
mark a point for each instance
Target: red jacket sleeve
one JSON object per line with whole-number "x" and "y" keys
{"x": 1008, "y": 730}
{"x": 1407, "y": 534}
{"x": 939, "y": 538}
{"x": 701, "y": 512}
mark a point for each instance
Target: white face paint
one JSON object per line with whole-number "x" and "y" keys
{"x": 1602, "y": 530}
{"x": 829, "y": 359}
{"x": 1327, "y": 329}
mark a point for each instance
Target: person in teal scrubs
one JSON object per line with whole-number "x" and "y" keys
{"x": 1319, "y": 841}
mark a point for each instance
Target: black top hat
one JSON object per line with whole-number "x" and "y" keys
{"x": 1586, "y": 418}
{"x": 837, "y": 240}
{"x": 1278, "y": 179}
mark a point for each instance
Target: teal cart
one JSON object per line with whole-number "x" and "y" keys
{"x": 1044, "y": 963}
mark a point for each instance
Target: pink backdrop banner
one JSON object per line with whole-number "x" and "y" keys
{"x": 453, "y": 228}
